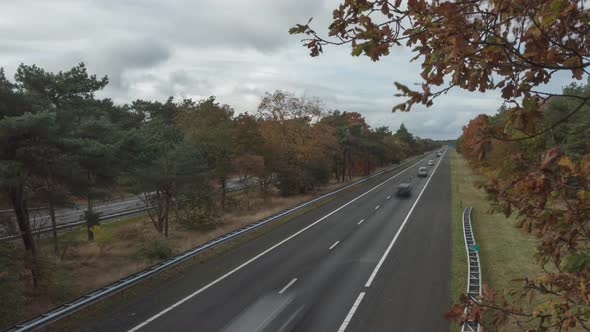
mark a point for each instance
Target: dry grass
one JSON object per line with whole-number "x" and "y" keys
{"x": 506, "y": 253}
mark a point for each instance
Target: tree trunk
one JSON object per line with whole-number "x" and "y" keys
{"x": 88, "y": 226}
{"x": 247, "y": 192}
{"x": 166, "y": 227}
{"x": 53, "y": 224}
{"x": 22, "y": 218}
{"x": 343, "y": 165}
{"x": 19, "y": 204}
{"x": 335, "y": 169}
{"x": 223, "y": 188}
{"x": 90, "y": 233}
{"x": 350, "y": 167}
{"x": 166, "y": 212}
{"x": 89, "y": 208}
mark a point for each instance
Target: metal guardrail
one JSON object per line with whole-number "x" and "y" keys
{"x": 76, "y": 223}
{"x": 30, "y": 209}
{"x": 273, "y": 179}
{"x": 107, "y": 217}
{"x": 473, "y": 267}
{"x": 121, "y": 284}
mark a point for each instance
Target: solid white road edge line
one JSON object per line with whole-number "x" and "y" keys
{"x": 376, "y": 270}
{"x": 335, "y": 244}
{"x": 204, "y": 288}
{"x": 287, "y": 286}
{"x": 351, "y": 312}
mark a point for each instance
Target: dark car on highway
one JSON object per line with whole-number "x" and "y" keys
{"x": 404, "y": 189}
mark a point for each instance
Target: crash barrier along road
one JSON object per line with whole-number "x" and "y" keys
{"x": 473, "y": 267}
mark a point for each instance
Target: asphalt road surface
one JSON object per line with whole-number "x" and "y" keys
{"x": 365, "y": 261}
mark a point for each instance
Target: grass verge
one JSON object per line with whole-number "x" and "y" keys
{"x": 506, "y": 253}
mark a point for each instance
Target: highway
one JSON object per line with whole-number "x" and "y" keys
{"x": 364, "y": 261}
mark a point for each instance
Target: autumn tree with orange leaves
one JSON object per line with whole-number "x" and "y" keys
{"x": 515, "y": 47}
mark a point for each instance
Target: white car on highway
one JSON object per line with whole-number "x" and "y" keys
{"x": 430, "y": 162}
{"x": 422, "y": 172}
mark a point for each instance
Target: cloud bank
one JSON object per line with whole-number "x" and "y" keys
{"x": 233, "y": 49}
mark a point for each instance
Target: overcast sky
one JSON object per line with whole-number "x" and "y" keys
{"x": 232, "y": 49}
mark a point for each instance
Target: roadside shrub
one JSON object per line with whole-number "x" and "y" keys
{"x": 92, "y": 219}
{"x": 289, "y": 184}
{"x": 130, "y": 232}
{"x": 157, "y": 249}
{"x": 198, "y": 217}
{"x": 197, "y": 212}
{"x": 59, "y": 282}
{"x": 317, "y": 173}
{"x": 68, "y": 246}
{"x": 103, "y": 237}
{"x": 18, "y": 296}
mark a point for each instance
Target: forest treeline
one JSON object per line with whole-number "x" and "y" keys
{"x": 60, "y": 142}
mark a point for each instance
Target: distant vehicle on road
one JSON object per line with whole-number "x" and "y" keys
{"x": 423, "y": 172}
{"x": 430, "y": 162}
{"x": 438, "y": 154}
{"x": 404, "y": 189}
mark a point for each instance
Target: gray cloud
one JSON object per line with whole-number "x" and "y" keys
{"x": 136, "y": 54}
{"x": 117, "y": 58}
{"x": 261, "y": 24}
